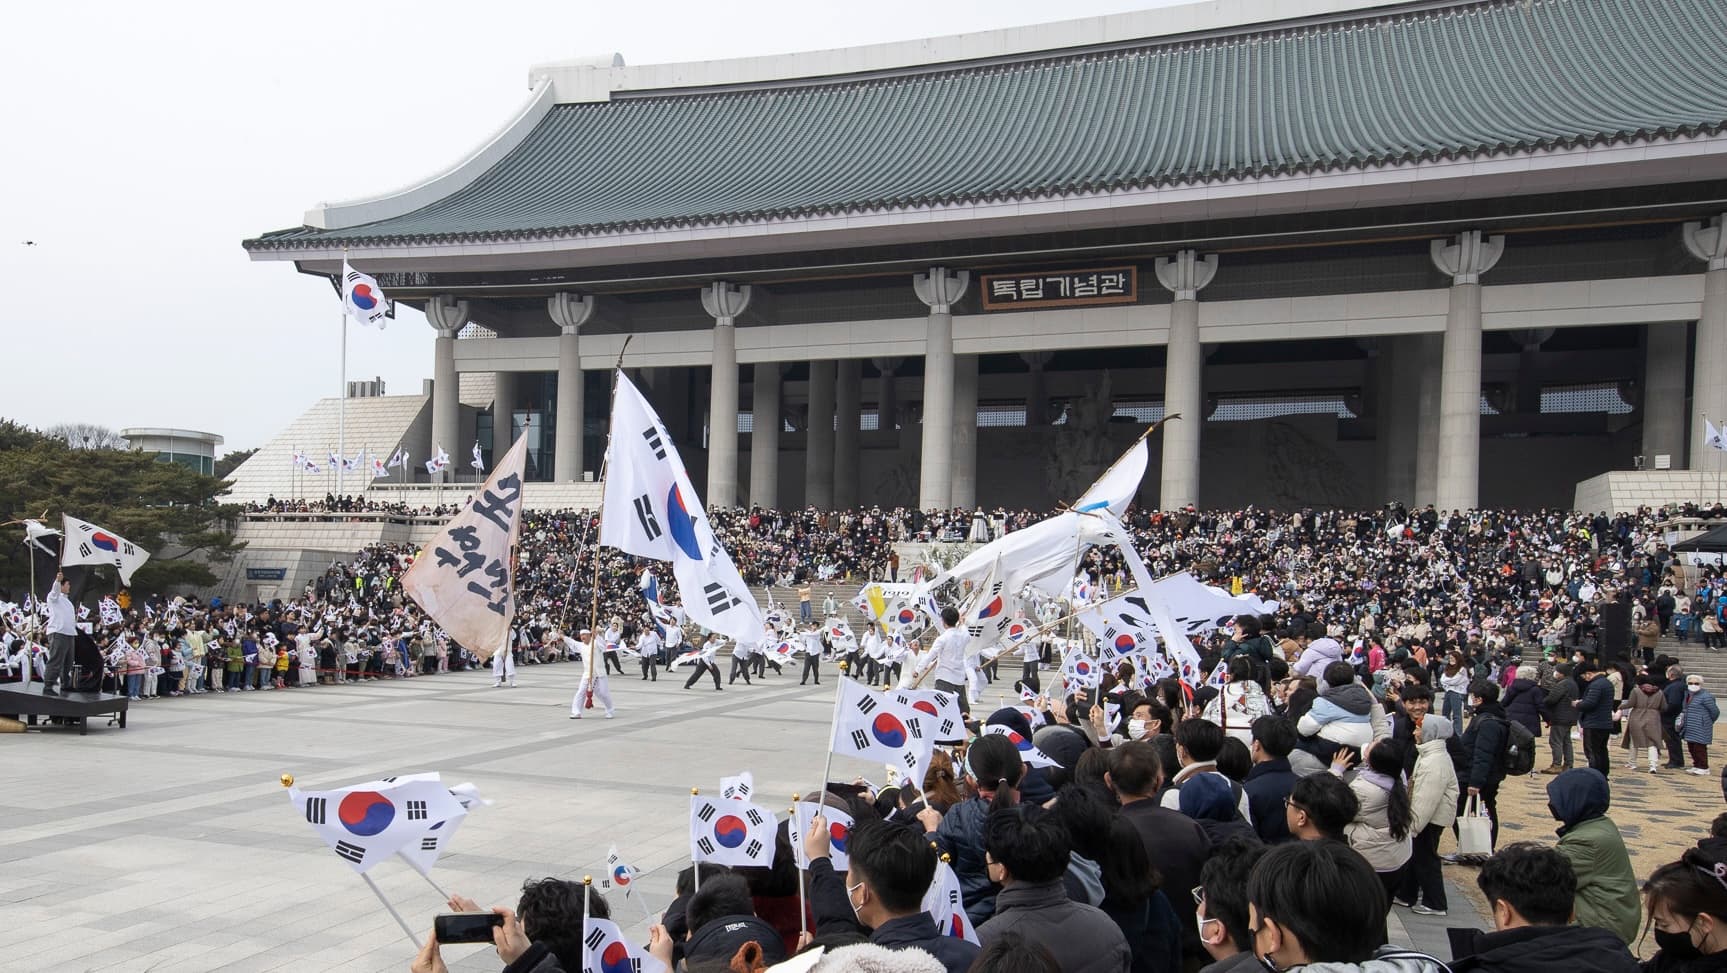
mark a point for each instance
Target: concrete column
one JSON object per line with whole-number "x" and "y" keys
{"x": 819, "y": 440}
{"x": 724, "y": 301}
{"x": 1709, "y": 364}
{"x": 765, "y": 435}
{"x": 446, "y": 315}
{"x": 939, "y": 289}
{"x": 1036, "y": 391}
{"x": 569, "y": 311}
{"x": 1664, "y": 393}
{"x": 848, "y": 396}
{"x": 1465, "y": 259}
{"x": 503, "y": 414}
{"x": 1184, "y": 275}
{"x": 964, "y": 492}
{"x": 1399, "y": 419}
{"x": 887, "y": 396}
{"x": 1427, "y": 351}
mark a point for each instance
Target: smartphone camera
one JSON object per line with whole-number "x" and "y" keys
{"x": 466, "y": 927}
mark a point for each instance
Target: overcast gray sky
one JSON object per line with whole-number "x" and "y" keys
{"x": 145, "y": 141}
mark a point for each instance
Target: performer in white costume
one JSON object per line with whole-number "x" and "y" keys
{"x": 594, "y": 684}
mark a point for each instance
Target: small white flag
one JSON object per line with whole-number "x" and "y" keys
{"x": 622, "y": 873}
{"x": 945, "y": 903}
{"x": 370, "y": 822}
{"x": 730, "y": 832}
{"x": 85, "y": 543}
{"x": 1712, "y": 436}
{"x": 1028, "y": 752}
{"x": 477, "y": 463}
{"x": 363, "y": 299}
{"x": 840, "y": 825}
{"x": 738, "y": 788}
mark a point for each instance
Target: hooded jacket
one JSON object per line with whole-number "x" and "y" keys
{"x": 1606, "y": 885}
{"x": 1343, "y": 715}
{"x": 1539, "y": 949}
{"x": 1522, "y": 702}
{"x": 1370, "y": 832}
{"x": 1482, "y": 763}
{"x": 1318, "y": 654}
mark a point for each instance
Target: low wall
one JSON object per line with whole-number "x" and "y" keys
{"x": 1623, "y": 491}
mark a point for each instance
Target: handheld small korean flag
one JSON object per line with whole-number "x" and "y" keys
{"x": 605, "y": 950}
{"x": 366, "y": 824}
{"x": 85, "y": 543}
{"x": 840, "y": 825}
{"x": 1028, "y": 752}
{"x": 1219, "y": 677}
{"x": 652, "y": 510}
{"x": 945, "y": 903}
{"x": 463, "y": 577}
{"x": 363, "y": 299}
{"x": 622, "y": 873}
{"x": 943, "y": 721}
{"x": 110, "y": 609}
{"x": 870, "y": 726}
{"x": 730, "y": 832}
{"x": 738, "y": 788}
{"x": 1080, "y": 670}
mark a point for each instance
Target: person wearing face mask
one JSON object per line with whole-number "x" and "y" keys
{"x": 1530, "y": 890}
{"x": 1221, "y": 917}
{"x": 1318, "y": 903}
{"x": 1696, "y": 723}
{"x": 888, "y": 872}
{"x": 1687, "y": 904}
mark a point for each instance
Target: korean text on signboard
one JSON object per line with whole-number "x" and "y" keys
{"x": 1060, "y": 288}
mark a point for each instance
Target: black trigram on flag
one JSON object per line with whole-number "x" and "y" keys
{"x": 706, "y": 814}
{"x": 389, "y": 780}
{"x": 84, "y": 549}
{"x": 316, "y": 808}
{"x": 946, "y": 728}
{"x": 417, "y": 811}
{"x": 428, "y": 844}
{"x": 910, "y": 759}
{"x": 706, "y": 846}
{"x": 975, "y": 630}
{"x": 596, "y": 936}
{"x": 652, "y": 435}
{"x": 645, "y": 516}
{"x": 753, "y": 849}
{"x": 860, "y": 740}
{"x": 915, "y": 728}
{"x": 351, "y": 852}
{"x": 866, "y": 704}
{"x": 754, "y": 817}
{"x": 953, "y": 897}
{"x": 719, "y": 599}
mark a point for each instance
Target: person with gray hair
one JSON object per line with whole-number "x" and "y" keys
{"x": 1433, "y": 806}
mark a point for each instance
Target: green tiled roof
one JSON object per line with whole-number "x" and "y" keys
{"x": 1457, "y": 81}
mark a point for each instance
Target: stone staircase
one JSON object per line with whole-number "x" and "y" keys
{"x": 1712, "y": 666}
{"x": 787, "y": 600}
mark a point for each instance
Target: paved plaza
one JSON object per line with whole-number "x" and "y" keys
{"x": 172, "y": 846}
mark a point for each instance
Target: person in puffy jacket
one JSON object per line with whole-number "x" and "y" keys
{"x": 1522, "y": 700}
{"x": 1343, "y": 713}
{"x": 1380, "y": 831}
{"x": 1247, "y": 640}
{"x": 1697, "y": 723}
{"x": 1432, "y": 808}
{"x": 1319, "y": 653}
{"x": 1239, "y": 703}
{"x": 1606, "y": 884}
{"x": 1595, "y": 708}
{"x": 994, "y": 763}
{"x": 1481, "y": 763}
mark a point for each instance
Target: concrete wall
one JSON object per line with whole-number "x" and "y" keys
{"x": 1626, "y": 490}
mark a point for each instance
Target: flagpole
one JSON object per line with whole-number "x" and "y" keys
{"x": 600, "y": 517}
{"x": 803, "y": 902}
{"x": 342, "y": 403}
{"x": 423, "y": 875}
{"x": 406, "y": 929}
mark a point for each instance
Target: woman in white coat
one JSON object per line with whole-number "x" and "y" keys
{"x": 1433, "y": 806}
{"x": 1239, "y": 702}
{"x": 1380, "y": 831}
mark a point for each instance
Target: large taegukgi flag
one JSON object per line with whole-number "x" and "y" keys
{"x": 85, "y": 543}
{"x": 731, "y": 832}
{"x": 463, "y": 577}
{"x": 366, "y": 824}
{"x": 652, "y": 510}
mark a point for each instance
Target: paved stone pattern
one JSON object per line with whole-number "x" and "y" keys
{"x": 171, "y": 845}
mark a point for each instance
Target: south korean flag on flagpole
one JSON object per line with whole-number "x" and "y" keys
{"x": 366, "y": 824}
{"x": 730, "y": 832}
{"x": 1122, "y": 626}
{"x": 1081, "y": 670}
{"x": 1028, "y": 752}
{"x": 945, "y": 903}
{"x": 605, "y": 950}
{"x": 1219, "y": 677}
{"x": 871, "y": 726}
{"x": 652, "y": 510}
{"x": 840, "y": 825}
{"x": 363, "y": 299}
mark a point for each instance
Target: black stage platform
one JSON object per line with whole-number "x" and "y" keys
{"x": 26, "y": 702}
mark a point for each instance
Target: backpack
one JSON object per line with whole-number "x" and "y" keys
{"x": 1519, "y": 749}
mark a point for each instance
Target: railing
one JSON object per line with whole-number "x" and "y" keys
{"x": 342, "y": 517}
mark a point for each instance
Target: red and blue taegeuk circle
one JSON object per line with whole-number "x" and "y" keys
{"x": 1124, "y": 642}
{"x": 906, "y": 616}
{"x": 730, "y": 830}
{"x": 365, "y": 813}
{"x": 364, "y": 297}
{"x": 990, "y": 610}
{"x": 620, "y": 876}
{"x": 105, "y": 542}
{"x": 839, "y": 833}
{"x": 681, "y": 525}
{"x": 615, "y": 958}
{"x": 889, "y": 730}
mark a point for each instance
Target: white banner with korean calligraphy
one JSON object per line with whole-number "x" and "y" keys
{"x": 463, "y": 577}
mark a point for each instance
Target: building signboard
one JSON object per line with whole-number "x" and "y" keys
{"x": 1060, "y": 288}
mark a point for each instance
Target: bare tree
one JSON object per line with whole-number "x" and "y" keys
{"x": 87, "y": 435}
